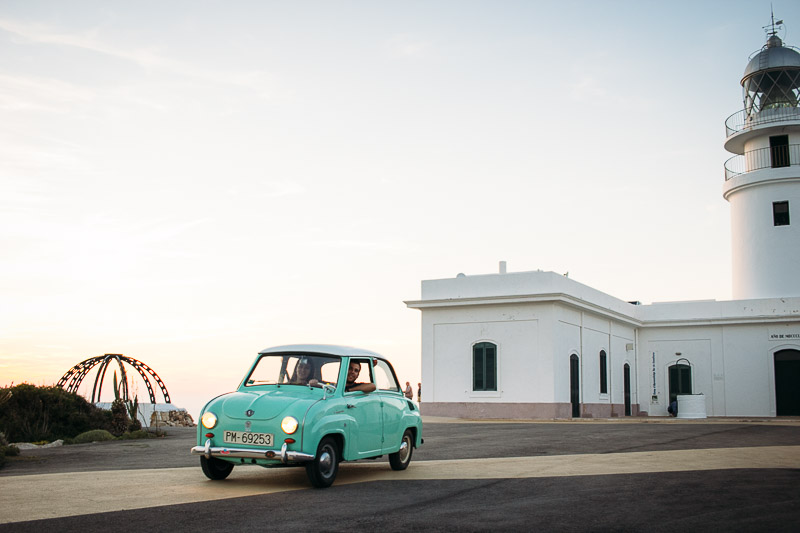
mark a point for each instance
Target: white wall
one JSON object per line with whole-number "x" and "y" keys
{"x": 622, "y": 336}
{"x": 567, "y": 342}
{"x": 448, "y": 337}
{"x": 750, "y": 370}
{"x": 765, "y": 257}
{"x": 694, "y": 346}
{"x": 586, "y": 334}
{"x": 733, "y": 365}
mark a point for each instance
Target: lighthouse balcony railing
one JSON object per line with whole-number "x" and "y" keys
{"x": 773, "y": 157}
{"x": 743, "y": 121}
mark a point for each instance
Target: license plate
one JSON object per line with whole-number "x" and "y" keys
{"x": 245, "y": 437}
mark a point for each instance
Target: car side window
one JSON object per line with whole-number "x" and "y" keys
{"x": 384, "y": 377}
{"x": 365, "y": 374}
{"x": 330, "y": 372}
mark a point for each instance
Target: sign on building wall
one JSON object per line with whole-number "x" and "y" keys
{"x": 791, "y": 333}
{"x": 654, "y": 398}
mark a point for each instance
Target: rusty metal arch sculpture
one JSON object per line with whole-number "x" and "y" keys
{"x": 75, "y": 375}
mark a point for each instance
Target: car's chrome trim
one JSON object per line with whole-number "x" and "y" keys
{"x": 284, "y": 455}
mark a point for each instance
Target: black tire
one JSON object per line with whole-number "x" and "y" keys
{"x": 323, "y": 469}
{"x": 400, "y": 459}
{"x": 215, "y": 469}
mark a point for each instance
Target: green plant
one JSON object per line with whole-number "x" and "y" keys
{"x": 137, "y": 434}
{"x": 116, "y": 386}
{"x": 6, "y": 450}
{"x": 5, "y": 395}
{"x": 131, "y": 406}
{"x": 119, "y": 418}
{"x": 133, "y": 412}
{"x": 95, "y": 435}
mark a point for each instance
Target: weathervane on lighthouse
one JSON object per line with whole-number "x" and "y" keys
{"x": 771, "y": 29}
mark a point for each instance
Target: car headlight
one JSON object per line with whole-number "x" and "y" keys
{"x": 289, "y": 425}
{"x": 209, "y": 420}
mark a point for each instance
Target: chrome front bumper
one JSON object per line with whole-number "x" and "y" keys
{"x": 283, "y": 455}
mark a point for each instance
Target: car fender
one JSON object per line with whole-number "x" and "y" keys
{"x": 413, "y": 420}
{"x": 326, "y": 417}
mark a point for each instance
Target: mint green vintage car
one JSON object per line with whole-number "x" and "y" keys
{"x": 312, "y": 406}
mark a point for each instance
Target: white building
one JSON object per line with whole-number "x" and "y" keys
{"x": 540, "y": 345}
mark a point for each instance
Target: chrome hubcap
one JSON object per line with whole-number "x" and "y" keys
{"x": 326, "y": 462}
{"x": 405, "y": 447}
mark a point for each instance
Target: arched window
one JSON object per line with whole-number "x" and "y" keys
{"x": 484, "y": 367}
{"x": 603, "y": 373}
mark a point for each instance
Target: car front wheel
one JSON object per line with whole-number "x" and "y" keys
{"x": 400, "y": 459}
{"x": 322, "y": 470}
{"x": 215, "y": 469}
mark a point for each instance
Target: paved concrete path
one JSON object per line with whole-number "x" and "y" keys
{"x": 615, "y": 475}
{"x": 78, "y": 493}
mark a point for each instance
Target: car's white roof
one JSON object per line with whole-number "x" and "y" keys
{"x": 331, "y": 349}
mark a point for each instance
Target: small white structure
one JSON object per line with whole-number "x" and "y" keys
{"x": 540, "y": 345}
{"x": 692, "y": 406}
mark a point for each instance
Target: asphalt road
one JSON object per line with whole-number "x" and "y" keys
{"x": 551, "y": 476}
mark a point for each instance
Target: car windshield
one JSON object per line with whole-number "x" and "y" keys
{"x": 294, "y": 369}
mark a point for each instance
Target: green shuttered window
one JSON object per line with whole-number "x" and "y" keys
{"x": 484, "y": 367}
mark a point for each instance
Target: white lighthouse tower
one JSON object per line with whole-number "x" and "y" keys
{"x": 762, "y": 182}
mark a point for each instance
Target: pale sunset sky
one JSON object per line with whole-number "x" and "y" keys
{"x": 188, "y": 182}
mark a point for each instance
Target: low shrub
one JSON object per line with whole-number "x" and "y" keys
{"x": 137, "y": 434}
{"x": 29, "y": 413}
{"x": 9, "y": 451}
{"x": 95, "y": 435}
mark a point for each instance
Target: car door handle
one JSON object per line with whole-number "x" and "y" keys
{"x": 350, "y": 406}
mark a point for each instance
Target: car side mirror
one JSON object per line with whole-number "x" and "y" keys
{"x": 327, "y": 388}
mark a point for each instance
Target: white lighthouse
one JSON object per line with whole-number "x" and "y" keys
{"x": 762, "y": 181}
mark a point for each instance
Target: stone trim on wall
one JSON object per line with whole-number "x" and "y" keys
{"x": 607, "y": 410}
{"x": 522, "y": 411}
{"x": 497, "y": 410}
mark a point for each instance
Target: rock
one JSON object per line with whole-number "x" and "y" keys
{"x": 31, "y": 446}
{"x": 171, "y": 418}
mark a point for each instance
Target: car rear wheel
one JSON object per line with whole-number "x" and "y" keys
{"x": 400, "y": 459}
{"x": 215, "y": 469}
{"x": 323, "y": 469}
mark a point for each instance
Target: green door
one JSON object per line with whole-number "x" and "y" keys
{"x": 680, "y": 381}
{"x": 366, "y": 428}
{"x": 787, "y": 383}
